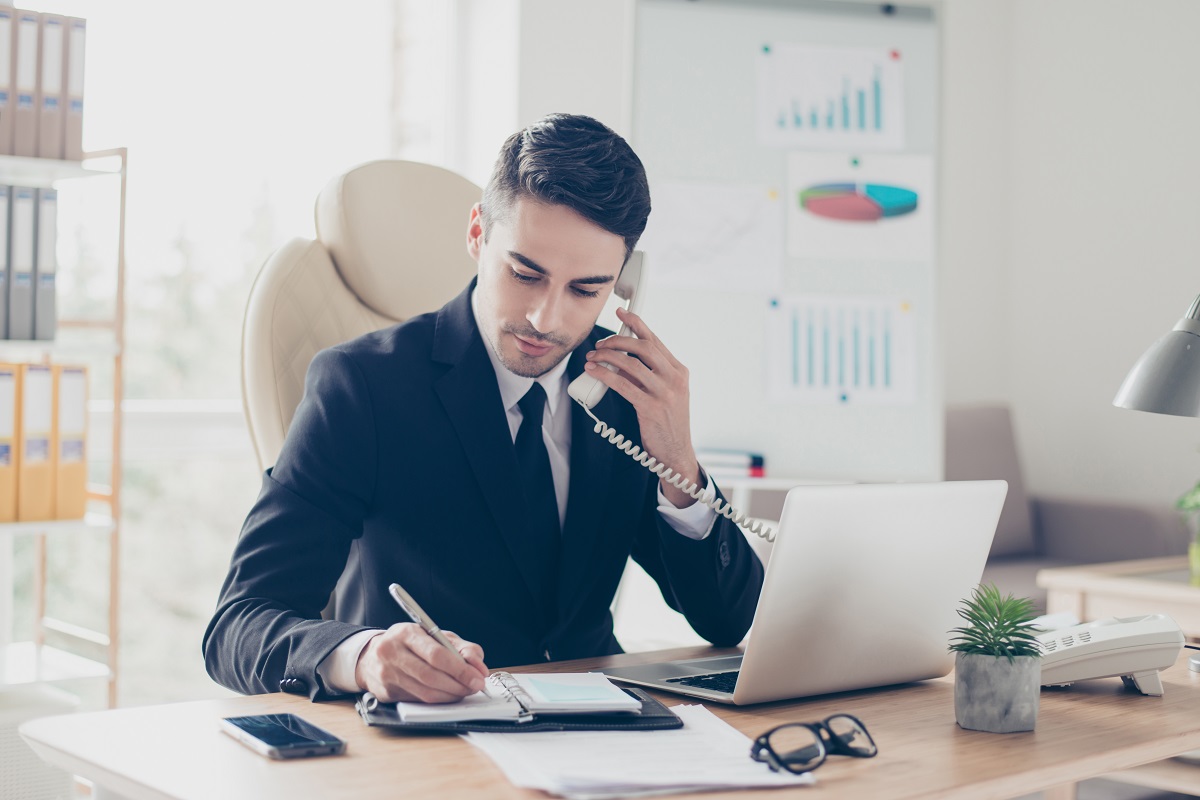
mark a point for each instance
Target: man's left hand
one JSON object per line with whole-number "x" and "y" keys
{"x": 656, "y": 385}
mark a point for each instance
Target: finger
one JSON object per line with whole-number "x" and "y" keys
{"x": 447, "y": 666}
{"x": 471, "y": 652}
{"x": 649, "y": 348}
{"x": 618, "y": 382}
{"x": 636, "y": 324}
{"x": 631, "y": 368}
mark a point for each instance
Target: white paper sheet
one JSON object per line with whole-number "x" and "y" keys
{"x": 715, "y": 236}
{"x": 705, "y": 754}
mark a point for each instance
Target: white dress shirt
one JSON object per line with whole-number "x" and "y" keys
{"x": 694, "y": 521}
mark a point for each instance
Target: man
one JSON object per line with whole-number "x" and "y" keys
{"x": 445, "y": 455}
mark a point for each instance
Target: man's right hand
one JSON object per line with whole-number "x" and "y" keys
{"x": 406, "y": 663}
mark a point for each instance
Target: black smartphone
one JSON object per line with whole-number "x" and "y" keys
{"x": 282, "y": 736}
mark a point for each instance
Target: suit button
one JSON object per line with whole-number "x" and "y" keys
{"x": 293, "y": 685}
{"x": 723, "y": 551}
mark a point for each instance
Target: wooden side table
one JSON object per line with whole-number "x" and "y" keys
{"x": 1125, "y": 589}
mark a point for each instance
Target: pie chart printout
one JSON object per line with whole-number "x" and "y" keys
{"x": 858, "y": 202}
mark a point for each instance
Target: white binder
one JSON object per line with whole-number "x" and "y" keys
{"x": 73, "y": 70}
{"x": 7, "y": 86}
{"x": 51, "y": 85}
{"x": 25, "y": 70}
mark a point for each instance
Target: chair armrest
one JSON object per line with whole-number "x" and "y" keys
{"x": 1091, "y": 531}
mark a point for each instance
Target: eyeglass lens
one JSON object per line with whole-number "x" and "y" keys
{"x": 796, "y": 747}
{"x": 849, "y": 736}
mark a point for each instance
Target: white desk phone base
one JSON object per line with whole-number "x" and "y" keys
{"x": 1135, "y": 649}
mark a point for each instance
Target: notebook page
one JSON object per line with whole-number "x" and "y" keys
{"x": 494, "y": 703}
{"x": 575, "y": 691}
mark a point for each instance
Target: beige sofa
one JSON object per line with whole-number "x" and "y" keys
{"x": 1036, "y": 532}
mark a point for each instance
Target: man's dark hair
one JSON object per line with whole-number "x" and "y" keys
{"x": 573, "y": 161}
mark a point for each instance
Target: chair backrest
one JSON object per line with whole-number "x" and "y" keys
{"x": 391, "y": 244}
{"x": 981, "y": 445}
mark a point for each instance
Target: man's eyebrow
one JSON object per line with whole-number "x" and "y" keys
{"x": 536, "y": 267}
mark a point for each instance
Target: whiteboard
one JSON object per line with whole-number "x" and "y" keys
{"x": 698, "y": 126}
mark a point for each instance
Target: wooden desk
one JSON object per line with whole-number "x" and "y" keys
{"x": 176, "y": 750}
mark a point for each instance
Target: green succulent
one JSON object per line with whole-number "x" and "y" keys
{"x": 999, "y": 626}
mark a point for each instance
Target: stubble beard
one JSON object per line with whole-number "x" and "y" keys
{"x": 527, "y": 366}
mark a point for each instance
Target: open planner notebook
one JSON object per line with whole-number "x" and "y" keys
{"x": 563, "y": 701}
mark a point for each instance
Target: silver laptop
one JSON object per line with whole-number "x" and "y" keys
{"x": 861, "y": 591}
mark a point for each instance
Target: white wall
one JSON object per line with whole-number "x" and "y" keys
{"x": 1070, "y": 193}
{"x": 1104, "y": 237}
{"x": 976, "y": 159}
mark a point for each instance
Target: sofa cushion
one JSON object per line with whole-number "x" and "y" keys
{"x": 980, "y": 445}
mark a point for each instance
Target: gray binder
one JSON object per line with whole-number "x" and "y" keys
{"x": 8, "y": 99}
{"x": 45, "y": 314}
{"x": 5, "y": 254}
{"x": 20, "y": 288}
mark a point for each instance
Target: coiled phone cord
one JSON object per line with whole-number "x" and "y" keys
{"x": 669, "y": 475}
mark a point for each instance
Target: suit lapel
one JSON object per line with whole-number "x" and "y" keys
{"x": 471, "y": 397}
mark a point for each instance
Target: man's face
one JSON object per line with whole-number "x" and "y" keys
{"x": 545, "y": 274}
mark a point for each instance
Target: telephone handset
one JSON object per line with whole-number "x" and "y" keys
{"x": 587, "y": 391}
{"x": 631, "y": 288}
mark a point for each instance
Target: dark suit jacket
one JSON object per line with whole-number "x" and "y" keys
{"x": 399, "y": 467}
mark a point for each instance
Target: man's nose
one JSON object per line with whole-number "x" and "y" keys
{"x": 546, "y": 315}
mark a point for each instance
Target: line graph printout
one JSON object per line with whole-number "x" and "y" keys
{"x": 847, "y": 98}
{"x": 841, "y": 350}
{"x": 715, "y": 236}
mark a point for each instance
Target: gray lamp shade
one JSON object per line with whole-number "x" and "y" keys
{"x": 1166, "y": 379}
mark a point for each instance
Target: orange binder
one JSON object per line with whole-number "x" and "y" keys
{"x": 9, "y": 381}
{"x": 69, "y": 437}
{"x": 35, "y": 420}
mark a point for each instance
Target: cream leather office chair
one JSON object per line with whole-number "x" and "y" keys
{"x": 391, "y": 244}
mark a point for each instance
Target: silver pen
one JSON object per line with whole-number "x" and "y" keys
{"x": 418, "y": 615}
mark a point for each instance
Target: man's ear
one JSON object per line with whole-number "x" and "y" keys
{"x": 475, "y": 233}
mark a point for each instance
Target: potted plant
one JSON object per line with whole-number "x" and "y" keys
{"x": 1189, "y": 504}
{"x": 997, "y": 669}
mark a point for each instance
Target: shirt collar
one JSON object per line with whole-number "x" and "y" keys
{"x": 512, "y": 386}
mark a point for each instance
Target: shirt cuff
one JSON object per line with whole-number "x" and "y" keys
{"x": 695, "y": 521}
{"x": 337, "y": 668}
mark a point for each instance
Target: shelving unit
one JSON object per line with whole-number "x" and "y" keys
{"x": 36, "y": 660}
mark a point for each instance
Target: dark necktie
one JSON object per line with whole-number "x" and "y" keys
{"x": 544, "y": 529}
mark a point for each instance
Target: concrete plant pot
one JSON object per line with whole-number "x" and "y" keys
{"x": 995, "y": 695}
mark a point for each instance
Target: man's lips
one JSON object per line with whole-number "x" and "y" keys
{"x": 531, "y": 348}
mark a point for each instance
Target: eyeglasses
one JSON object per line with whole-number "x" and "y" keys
{"x": 801, "y": 747}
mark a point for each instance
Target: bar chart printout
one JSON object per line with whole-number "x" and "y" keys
{"x": 841, "y": 350}
{"x": 830, "y": 97}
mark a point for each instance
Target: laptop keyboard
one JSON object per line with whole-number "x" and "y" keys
{"x": 716, "y": 681}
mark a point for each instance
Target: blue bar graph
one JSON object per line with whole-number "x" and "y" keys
{"x": 845, "y": 350}
{"x": 824, "y": 94}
